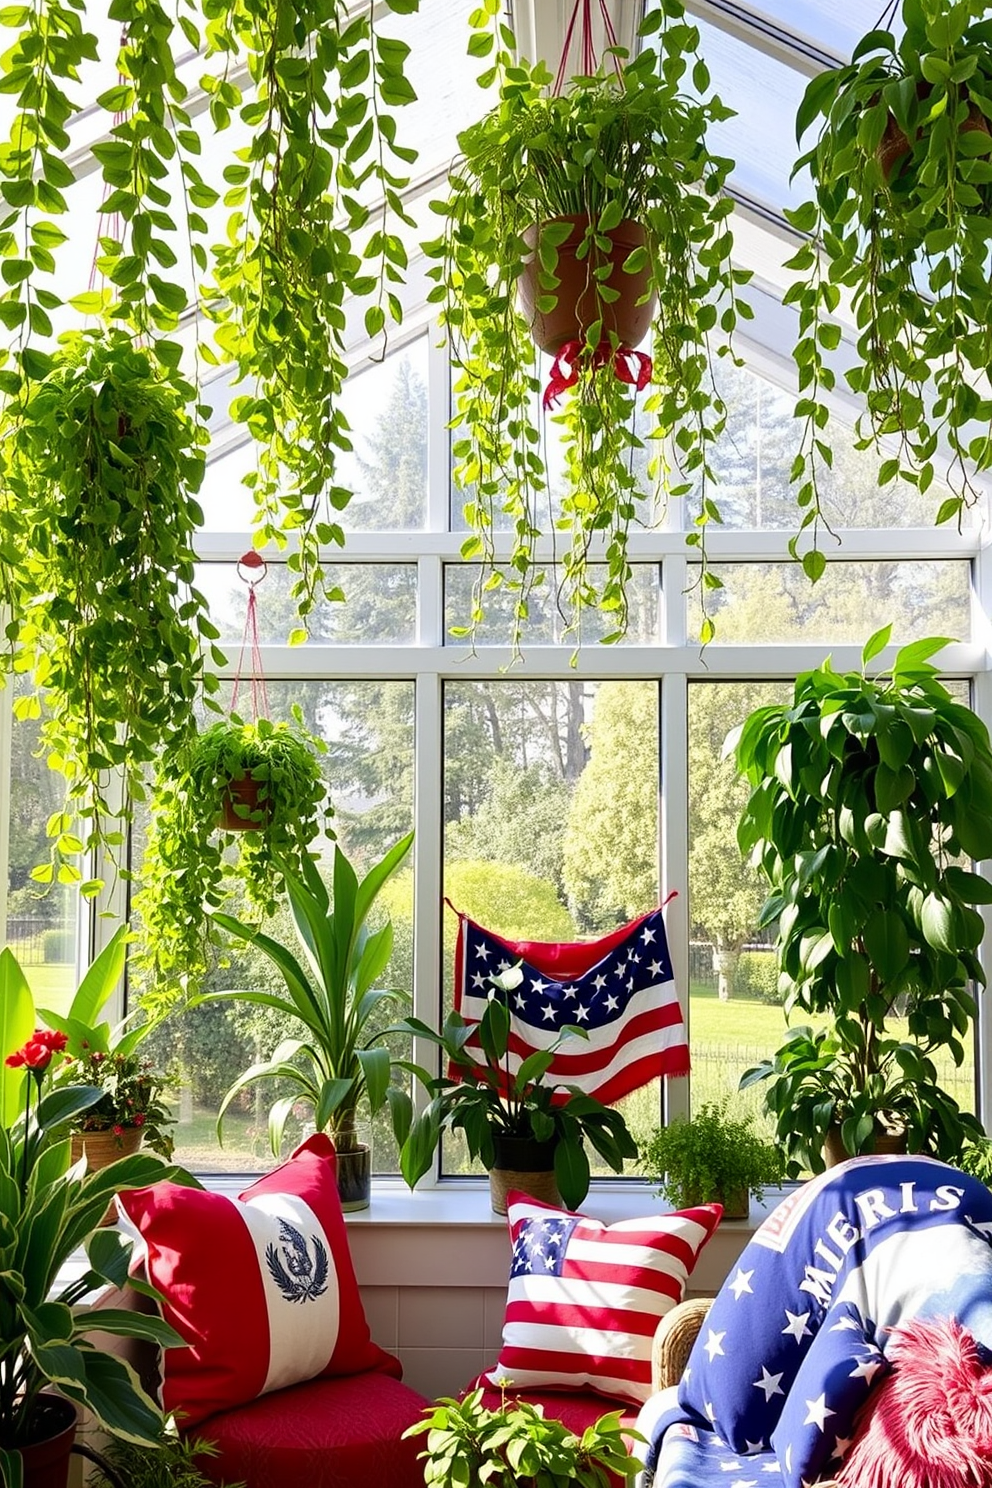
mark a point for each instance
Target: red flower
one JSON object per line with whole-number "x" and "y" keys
{"x": 37, "y": 1052}
{"x": 118, "y": 1131}
{"x": 139, "y": 1118}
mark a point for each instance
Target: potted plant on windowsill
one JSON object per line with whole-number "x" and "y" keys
{"x": 899, "y": 229}
{"x": 517, "y": 1446}
{"x": 549, "y": 184}
{"x": 196, "y": 828}
{"x": 131, "y": 1111}
{"x": 51, "y": 1208}
{"x": 528, "y": 1132}
{"x": 867, "y": 793}
{"x": 716, "y": 1156}
{"x": 342, "y": 1064}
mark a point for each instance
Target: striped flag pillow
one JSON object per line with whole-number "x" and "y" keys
{"x": 261, "y": 1286}
{"x": 585, "y": 1298}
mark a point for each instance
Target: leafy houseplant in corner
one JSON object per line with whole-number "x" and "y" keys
{"x": 187, "y": 868}
{"x": 516, "y": 1446}
{"x": 899, "y": 228}
{"x": 503, "y": 1112}
{"x": 715, "y": 1156}
{"x": 100, "y": 462}
{"x": 49, "y": 1209}
{"x": 869, "y": 795}
{"x": 612, "y": 179}
{"x": 342, "y": 1062}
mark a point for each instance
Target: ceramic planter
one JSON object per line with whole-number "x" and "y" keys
{"x": 243, "y": 793}
{"x": 51, "y": 1431}
{"x": 578, "y": 305}
{"x": 835, "y": 1152}
{"x": 102, "y": 1148}
{"x": 525, "y": 1164}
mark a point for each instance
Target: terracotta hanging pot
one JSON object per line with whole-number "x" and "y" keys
{"x": 103, "y": 1148}
{"x": 51, "y": 1431}
{"x": 525, "y": 1164}
{"x": 895, "y": 144}
{"x": 577, "y": 303}
{"x": 243, "y": 793}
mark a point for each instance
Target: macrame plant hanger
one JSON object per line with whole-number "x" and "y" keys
{"x": 252, "y": 569}
{"x": 629, "y": 366}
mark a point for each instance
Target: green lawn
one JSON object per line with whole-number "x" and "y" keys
{"x": 52, "y": 984}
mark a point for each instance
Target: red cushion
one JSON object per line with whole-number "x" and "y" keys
{"x": 337, "y": 1433}
{"x": 262, "y": 1286}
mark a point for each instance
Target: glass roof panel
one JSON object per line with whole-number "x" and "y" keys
{"x": 835, "y": 28}
{"x": 765, "y": 94}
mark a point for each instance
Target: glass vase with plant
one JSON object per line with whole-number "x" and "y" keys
{"x": 489, "y": 1101}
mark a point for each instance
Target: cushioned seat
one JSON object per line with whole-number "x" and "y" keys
{"x": 327, "y": 1433}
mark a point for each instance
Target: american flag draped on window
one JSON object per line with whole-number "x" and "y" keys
{"x": 619, "y": 989}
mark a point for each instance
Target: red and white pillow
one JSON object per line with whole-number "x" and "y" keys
{"x": 585, "y": 1298}
{"x": 261, "y": 1286}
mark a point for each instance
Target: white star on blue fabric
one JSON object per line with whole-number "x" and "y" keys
{"x": 817, "y": 1412}
{"x": 797, "y": 1325}
{"x": 714, "y": 1343}
{"x": 482, "y": 951}
{"x": 770, "y": 1383}
{"x": 742, "y": 1283}
{"x": 867, "y": 1368}
{"x": 647, "y": 935}
{"x": 538, "y": 986}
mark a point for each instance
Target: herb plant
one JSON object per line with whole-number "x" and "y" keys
{"x": 716, "y": 1154}
{"x": 611, "y": 148}
{"x": 487, "y": 1100}
{"x": 869, "y": 795}
{"x": 899, "y": 229}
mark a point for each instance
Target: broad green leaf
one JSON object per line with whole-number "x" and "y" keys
{"x": 16, "y": 1027}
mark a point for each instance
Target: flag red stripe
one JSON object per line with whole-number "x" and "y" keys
{"x": 636, "y": 1276}
{"x": 566, "y": 1065}
{"x": 576, "y": 1316}
{"x": 562, "y": 1363}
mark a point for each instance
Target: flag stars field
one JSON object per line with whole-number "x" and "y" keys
{"x": 741, "y": 1283}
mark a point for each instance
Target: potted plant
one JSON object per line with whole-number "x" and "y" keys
{"x": 606, "y": 184}
{"x": 517, "y": 1446}
{"x": 201, "y": 839}
{"x": 101, "y": 459}
{"x": 717, "y": 1156}
{"x": 898, "y": 228}
{"x": 976, "y": 1159}
{"x": 51, "y": 1208}
{"x": 515, "y": 1122}
{"x": 131, "y": 1111}
{"x": 342, "y": 1063}
{"x": 867, "y": 794}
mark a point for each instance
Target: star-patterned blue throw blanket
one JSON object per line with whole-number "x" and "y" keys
{"x": 797, "y": 1335}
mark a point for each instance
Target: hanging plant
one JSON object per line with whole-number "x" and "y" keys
{"x": 203, "y": 842}
{"x": 609, "y": 182}
{"x": 899, "y": 228}
{"x": 99, "y": 465}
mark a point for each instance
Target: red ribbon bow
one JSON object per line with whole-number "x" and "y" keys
{"x": 629, "y": 366}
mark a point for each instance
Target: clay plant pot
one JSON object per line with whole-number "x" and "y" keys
{"x": 354, "y": 1175}
{"x": 51, "y": 1431}
{"x": 736, "y": 1202}
{"x": 102, "y": 1148}
{"x": 525, "y": 1164}
{"x": 887, "y": 1140}
{"x": 577, "y": 304}
{"x": 252, "y": 815}
{"x": 894, "y": 146}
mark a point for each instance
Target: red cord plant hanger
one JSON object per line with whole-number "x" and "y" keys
{"x": 550, "y": 178}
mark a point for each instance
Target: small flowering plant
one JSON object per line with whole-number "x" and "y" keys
{"x": 49, "y": 1208}
{"x": 132, "y": 1091}
{"x": 132, "y": 1096}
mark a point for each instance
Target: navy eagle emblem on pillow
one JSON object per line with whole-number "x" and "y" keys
{"x": 300, "y": 1277}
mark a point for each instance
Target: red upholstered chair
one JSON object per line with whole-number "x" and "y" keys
{"x": 576, "y": 1409}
